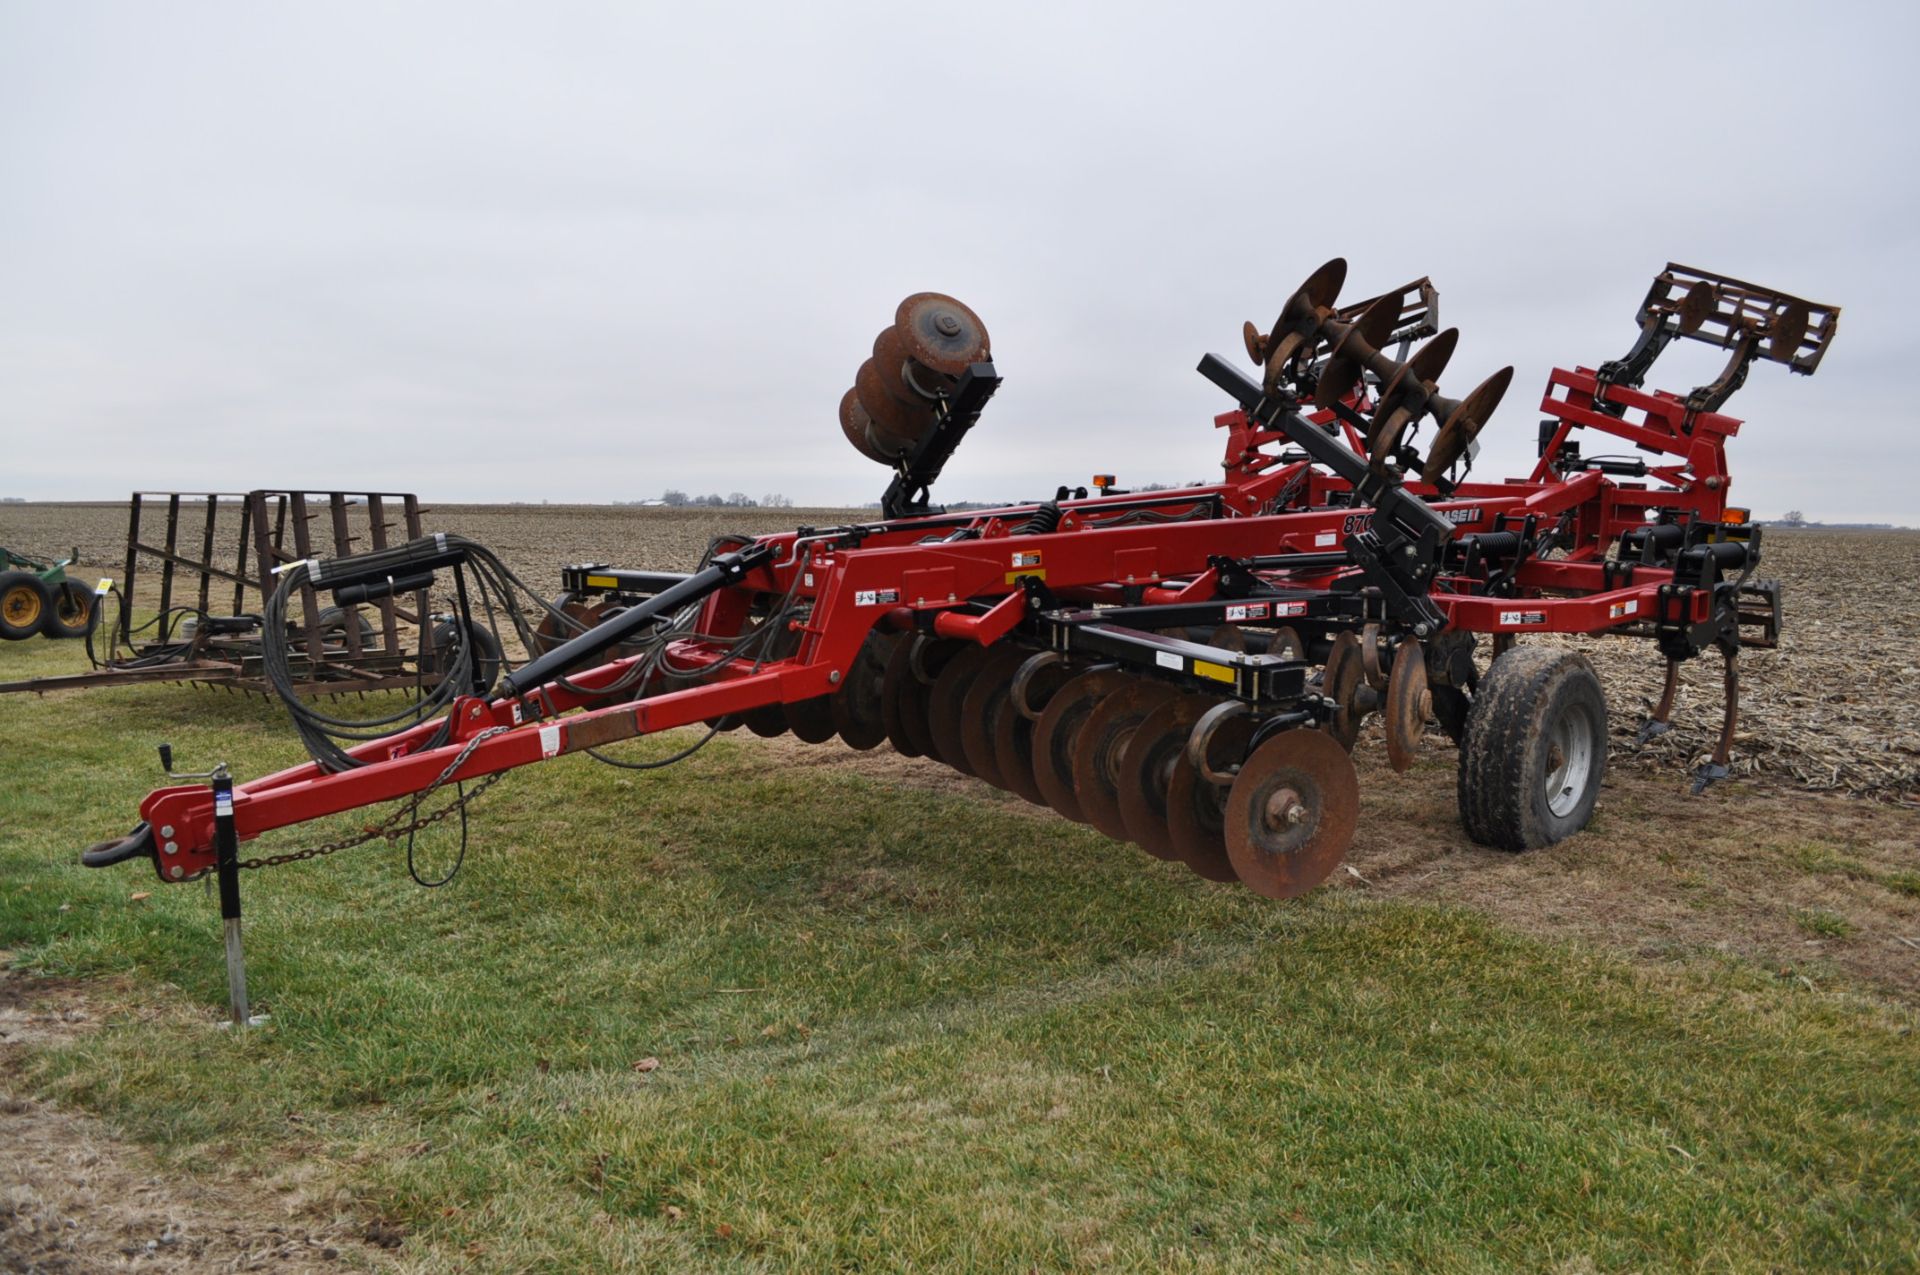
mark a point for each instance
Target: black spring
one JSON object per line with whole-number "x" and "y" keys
{"x": 1045, "y": 520}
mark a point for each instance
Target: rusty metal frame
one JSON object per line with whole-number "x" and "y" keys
{"x": 274, "y": 528}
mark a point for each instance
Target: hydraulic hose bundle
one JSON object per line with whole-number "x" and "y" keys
{"x": 467, "y": 649}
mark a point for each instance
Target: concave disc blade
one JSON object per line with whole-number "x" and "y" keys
{"x": 1013, "y": 731}
{"x": 948, "y": 700}
{"x": 857, "y": 707}
{"x": 981, "y": 711}
{"x": 1464, "y": 423}
{"x": 1698, "y": 305}
{"x": 1194, "y": 806}
{"x": 1323, "y": 285}
{"x": 1228, "y": 637}
{"x": 768, "y": 721}
{"x": 940, "y": 332}
{"x": 1100, "y": 745}
{"x": 893, "y": 421}
{"x": 889, "y": 357}
{"x": 1056, "y": 735}
{"x": 1146, "y": 769}
{"x": 858, "y": 427}
{"x": 1431, "y": 359}
{"x": 811, "y": 720}
{"x": 1341, "y": 683}
{"x": 1372, "y": 329}
{"x": 1788, "y": 329}
{"x": 550, "y": 632}
{"x": 903, "y": 696}
{"x": 1407, "y": 706}
{"x": 1291, "y": 813}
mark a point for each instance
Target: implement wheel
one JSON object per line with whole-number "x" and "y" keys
{"x": 73, "y": 613}
{"x": 1535, "y": 751}
{"x": 24, "y": 603}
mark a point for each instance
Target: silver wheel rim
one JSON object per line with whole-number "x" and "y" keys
{"x": 1569, "y": 759}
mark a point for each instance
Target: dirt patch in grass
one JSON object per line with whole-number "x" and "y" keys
{"x": 75, "y": 1198}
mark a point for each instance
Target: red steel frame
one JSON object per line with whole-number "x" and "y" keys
{"x": 1271, "y": 506}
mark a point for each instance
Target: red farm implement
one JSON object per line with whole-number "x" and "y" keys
{"x": 1187, "y": 670}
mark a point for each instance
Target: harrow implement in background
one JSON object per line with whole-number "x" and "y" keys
{"x": 1187, "y": 670}
{"x": 202, "y": 567}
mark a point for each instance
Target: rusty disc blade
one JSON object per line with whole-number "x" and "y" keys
{"x": 1698, "y": 305}
{"x": 1341, "y": 683}
{"x": 947, "y": 702}
{"x": 1372, "y": 329}
{"x": 1195, "y": 807}
{"x": 1291, "y": 812}
{"x": 1464, "y": 423}
{"x": 1788, "y": 329}
{"x": 1056, "y": 735}
{"x": 1297, "y": 328}
{"x": 1430, "y": 360}
{"x": 811, "y": 720}
{"x": 1101, "y": 744}
{"x": 1408, "y": 704}
{"x": 889, "y": 360}
{"x": 1146, "y": 770}
{"x": 987, "y": 700}
{"x": 1255, "y": 342}
{"x": 1286, "y": 643}
{"x": 940, "y": 332}
{"x": 1384, "y": 436}
{"x": 1228, "y": 637}
{"x": 1405, "y": 396}
{"x": 893, "y": 421}
{"x": 857, "y": 707}
{"x": 1319, "y": 292}
{"x": 550, "y": 632}
{"x": 858, "y": 427}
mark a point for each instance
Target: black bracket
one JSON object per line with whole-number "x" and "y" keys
{"x": 953, "y": 415}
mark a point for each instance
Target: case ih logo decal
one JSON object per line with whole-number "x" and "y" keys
{"x": 1354, "y": 524}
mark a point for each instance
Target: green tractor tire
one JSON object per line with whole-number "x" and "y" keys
{"x": 74, "y": 612}
{"x": 25, "y": 602}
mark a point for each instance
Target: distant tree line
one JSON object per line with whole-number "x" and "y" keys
{"x": 677, "y": 499}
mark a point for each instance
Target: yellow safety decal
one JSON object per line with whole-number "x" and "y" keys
{"x": 1038, "y": 573}
{"x": 602, "y": 582}
{"x": 1218, "y": 672}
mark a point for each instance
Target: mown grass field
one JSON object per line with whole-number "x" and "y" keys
{"x": 918, "y": 1029}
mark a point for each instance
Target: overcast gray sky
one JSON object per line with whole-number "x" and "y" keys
{"x": 588, "y": 251}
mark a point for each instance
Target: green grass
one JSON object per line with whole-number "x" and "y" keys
{"x": 899, "y": 1030}
{"x": 1823, "y": 924}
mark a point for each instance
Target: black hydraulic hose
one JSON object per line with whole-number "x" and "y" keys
{"x": 571, "y": 654}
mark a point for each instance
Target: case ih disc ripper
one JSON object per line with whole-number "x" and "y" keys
{"x": 1187, "y": 670}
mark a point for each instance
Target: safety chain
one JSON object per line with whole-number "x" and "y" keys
{"x": 391, "y": 827}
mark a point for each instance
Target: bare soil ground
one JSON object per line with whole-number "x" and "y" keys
{"x": 74, "y": 1198}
